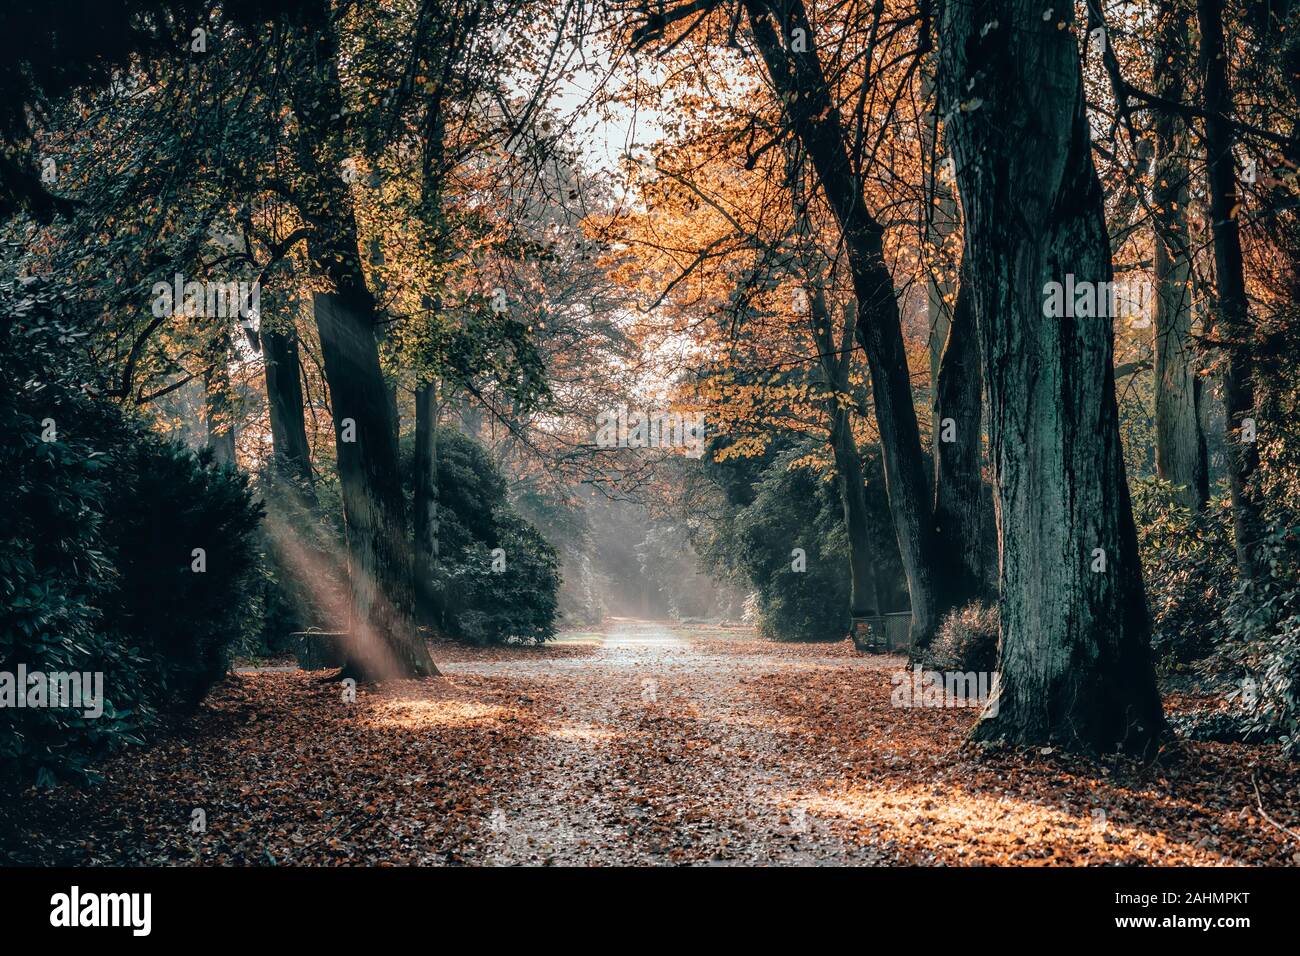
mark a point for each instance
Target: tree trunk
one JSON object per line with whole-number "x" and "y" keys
{"x": 864, "y": 601}
{"x": 285, "y": 404}
{"x": 940, "y": 224}
{"x": 961, "y": 498}
{"x": 384, "y": 638}
{"x": 218, "y": 415}
{"x": 394, "y": 410}
{"x": 1181, "y": 456}
{"x": 797, "y": 77}
{"x": 1231, "y": 325}
{"x": 1075, "y": 659}
{"x": 834, "y": 358}
{"x": 292, "y": 537}
{"x": 834, "y": 343}
{"x": 379, "y": 571}
{"x": 426, "y": 501}
{"x": 433, "y": 170}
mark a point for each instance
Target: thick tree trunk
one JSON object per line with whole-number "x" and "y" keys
{"x": 426, "y": 501}
{"x": 1181, "y": 456}
{"x": 385, "y": 642}
{"x": 961, "y": 499}
{"x": 285, "y": 404}
{"x": 1231, "y": 326}
{"x": 1075, "y": 660}
{"x": 797, "y": 76}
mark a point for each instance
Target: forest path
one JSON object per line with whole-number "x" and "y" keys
{"x": 644, "y": 743}
{"x": 653, "y": 750}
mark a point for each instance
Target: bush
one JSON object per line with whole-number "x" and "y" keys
{"x": 1190, "y": 569}
{"x": 481, "y": 603}
{"x": 168, "y": 503}
{"x": 967, "y": 640}
{"x": 796, "y": 508}
{"x": 784, "y": 501}
{"x": 55, "y": 489}
{"x": 514, "y": 605}
{"x": 1261, "y": 643}
{"x": 100, "y": 519}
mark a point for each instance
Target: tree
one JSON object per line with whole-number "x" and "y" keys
{"x": 820, "y": 102}
{"x": 1181, "y": 456}
{"x": 1075, "y": 661}
{"x": 385, "y": 642}
{"x": 284, "y": 397}
{"x": 835, "y": 356}
{"x": 796, "y": 75}
{"x": 1231, "y": 324}
{"x": 864, "y": 598}
{"x": 962, "y": 503}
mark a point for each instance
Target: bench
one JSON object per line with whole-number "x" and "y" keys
{"x": 319, "y": 650}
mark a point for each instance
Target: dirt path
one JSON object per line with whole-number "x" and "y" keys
{"x": 643, "y": 744}
{"x": 607, "y": 780}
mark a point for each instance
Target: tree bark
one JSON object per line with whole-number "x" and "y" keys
{"x": 834, "y": 343}
{"x": 961, "y": 498}
{"x": 962, "y": 503}
{"x": 379, "y": 560}
{"x": 1075, "y": 658}
{"x": 1231, "y": 323}
{"x": 384, "y": 638}
{"x": 285, "y": 405}
{"x": 940, "y": 224}
{"x": 426, "y": 501}
{"x": 218, "y": 414}
{"x": 1181, "y": 456}
{"x": 798, "y": 78}
{"x": 864, "y": 599}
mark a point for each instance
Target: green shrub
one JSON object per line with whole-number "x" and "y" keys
{"x": 100, "y": 517}
{"x": 56, "y": 568}
{"x": 1261, "y": 640}
{"x": 514, "y": 605}
{"x": 1190, "y": 571}
{"x": 169, "y": 503}
{"x": 480, "y": 600}
{"x": 796, "y": 508}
